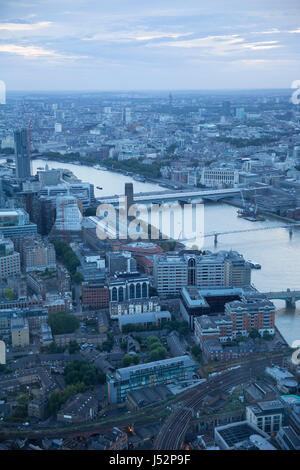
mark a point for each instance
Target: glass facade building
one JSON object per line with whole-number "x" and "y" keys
{"x": 148, "y": 375}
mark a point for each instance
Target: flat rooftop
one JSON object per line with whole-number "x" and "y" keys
{"x": 126, "y": 372}
{"x": 235, "y": 433}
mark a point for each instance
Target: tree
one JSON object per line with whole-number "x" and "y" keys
{"x": 197, "y": 353}
{"x": 62, "y": 322}
{"x": 65, "y": 253}
{"x": 267, "y": 336}
{"x": 55, "y": 402}
{"x": 135, "y": 359}
{"x": 154, "y": 345}
{"x": 78, "y": 278}
{"x": 83, "y": 371}
{"x": 157, "y": 350}
{"x": 182, "y": 327}
{"x": 126, "y": 360}
{"x": 73, "y": 347}
{"x": 4, "y": 369}
{"x": 151, "y": 340}
{"x": 154, "y": 355}
{"x": 8, "y": 294}
{"x": 254, "y": 334}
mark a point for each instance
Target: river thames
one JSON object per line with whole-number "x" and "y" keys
{"x": 275, "y": 250}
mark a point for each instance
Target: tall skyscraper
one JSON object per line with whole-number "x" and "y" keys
{"x": 226, "y": 108}
{"x": 240, "y": 113}
{"x": 127, "y": 116}
{"x": 22, "y": 153}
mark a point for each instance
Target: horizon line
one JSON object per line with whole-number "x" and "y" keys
{"x": 144, "y": 90}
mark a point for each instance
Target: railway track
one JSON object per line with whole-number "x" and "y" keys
{"x": 171, "y": 436}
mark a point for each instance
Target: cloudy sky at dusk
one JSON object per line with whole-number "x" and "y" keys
{"x": 143, "y": 44}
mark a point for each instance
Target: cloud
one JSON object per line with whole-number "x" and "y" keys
{"x": 167, "y": 43}
{"x": 34, "y": 52}
{"x": 261, "y": 45}
{"x": 221, "y": 45}
{"x": 24, "y": 26}
{"x": 127, "y": 36}
{"x": 269, "y": 31}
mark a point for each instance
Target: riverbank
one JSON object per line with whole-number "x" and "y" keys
{"x": 233, "y": 202}
{"x": 127, "y": 172}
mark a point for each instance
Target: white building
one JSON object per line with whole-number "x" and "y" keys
{"x": 267, "y": 415}
{"x": 219, "y": 177}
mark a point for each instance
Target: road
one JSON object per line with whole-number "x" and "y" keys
{"x": 171, "y": 435}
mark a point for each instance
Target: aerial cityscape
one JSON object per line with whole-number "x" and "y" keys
{"x": 149, "y": 235}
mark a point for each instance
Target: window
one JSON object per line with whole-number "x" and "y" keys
{"x": 114, "y": 294}
{"x": 138, "y": 291}
{"x": 144, "y": 289}
{"x": 131, "y": 291}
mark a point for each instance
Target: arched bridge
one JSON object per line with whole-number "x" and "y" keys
{"x": 290, "y": 296}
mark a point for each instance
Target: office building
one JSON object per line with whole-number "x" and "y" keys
{"x": 37, "y": 254}
{"x": 226, "y": 108}
{"x": 209, "y": 270}
{"x": 9, "y": 259}
{"x": 14, "y": 223}
{"x": 288, "y": 439}
{"x": 215, "y": 177}
{"x": 242, "y": 436}
{"x": 128, "y": 287}
{"x": 126, "y": 116}
{"x": 134, "y": 306}
{"x": 252, "y": 312}
{"x": 94, "y": 294}
{"x": 19, "y": 332}
{"x": 121, "y": 262}
{"x": 240, "y": 113}
{"x": 148, "y": 375}
{"x": 146, "y": 320}
{"x": 267, "y": 415}
{"x": 22, "y": 153}
{"x": 240, "y": 318}
{"x": 68, "y": 216}
{"x": 84, "y": 192}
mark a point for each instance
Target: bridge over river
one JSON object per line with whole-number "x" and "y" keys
{"x": 184, "y": 196}
{"x": 290, "y": 296}
{"x": 290, "y": 227}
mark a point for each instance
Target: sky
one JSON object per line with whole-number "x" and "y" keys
{"x": 149, "y": 44}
